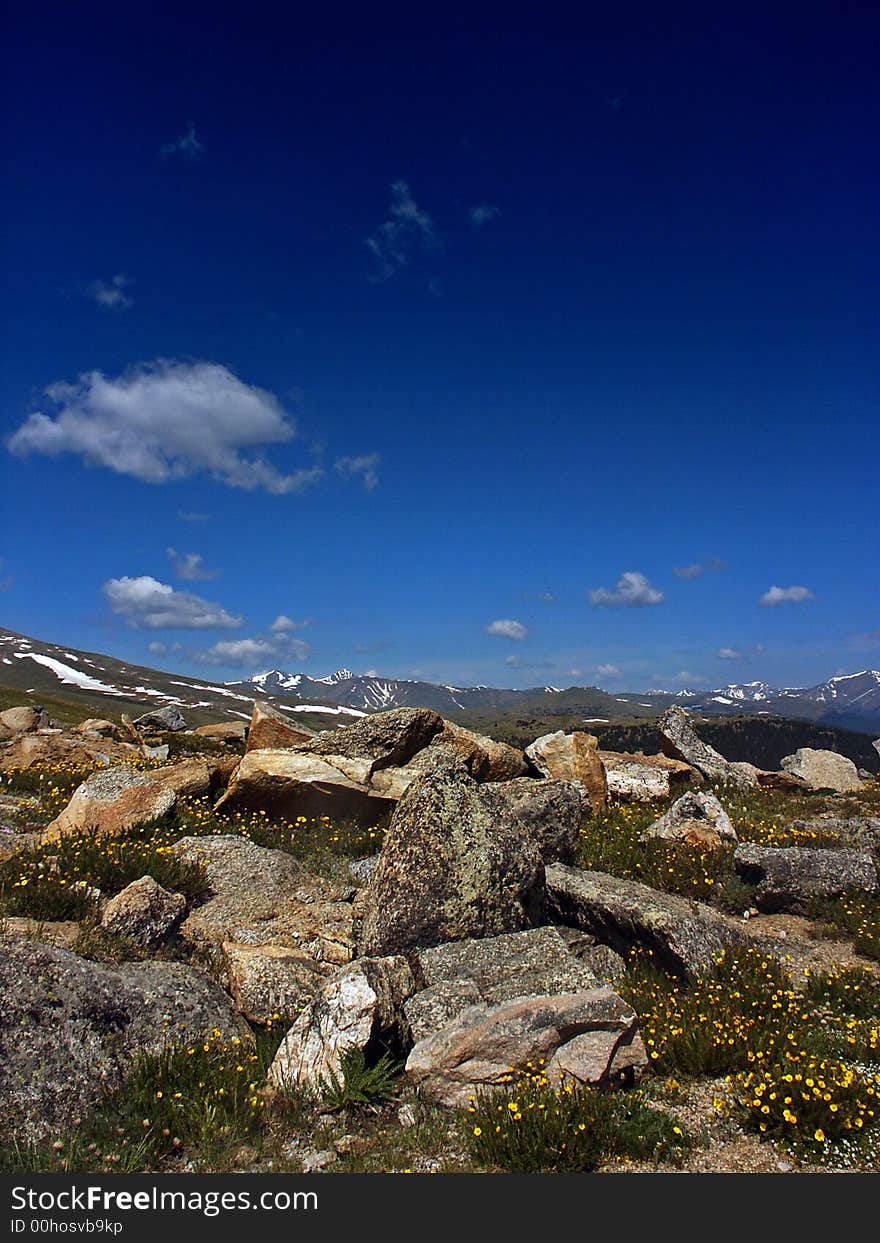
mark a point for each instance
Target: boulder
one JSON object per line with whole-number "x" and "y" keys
{"x": 271, "y": 981}
{"x": 876, "y": 745}
{"x": 686, "y": 936}
{"x": 111, "y": 800}
{"x": 451, "y": 867}
{"x": 71, "y": 1028}
{"x": 572, "y": 757}
{"x": 386, "y": 739}
{"x": 189, "y": 779}
{"x": 224, "y": 731}
{"x": 696, "y": 819}
{"x": 271, "y": 729}
{"x": 679, "y": 739}
{"x": 549, "y": 813}
{"x": 781, "y": 781}
{"x": 165, "y": 720}
{"x": 484, "y": 758}
{"x": 265, "y": 897}
{"x": 24, "y": 719}
{"x": 288, "y": 784}
{"x": 357, "y": 1008}
{"x": 97, "y": 725}
{"x": 645, "y": 778}
{"x": 534, "y": 963}
{"x": 144, "y": 912}
{"x": 823, "y": 770}
{"x": 789, "y": 878}
{"x": 579, "y": 1035}
{"x": 43, "y": 748}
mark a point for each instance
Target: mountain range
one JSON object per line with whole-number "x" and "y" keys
{"x": 33, "y": 667}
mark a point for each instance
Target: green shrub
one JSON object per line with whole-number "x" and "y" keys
{"x": 359, "y": 1083}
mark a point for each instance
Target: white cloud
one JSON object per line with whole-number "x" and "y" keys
{"x": 687, "y": 679}
{"x": 633, "y": 591}
{"x": 730, "y": 653}
{"x": 186, "y": 144}
{"x": 167, "y": 420}
{"x": 482, "y": 213}
{"x": 162, "y": 649}
{"x": 145, "y": 603}
{"x": 244, "y": 653}
{"x": 547, "y": 597}
{"x": 608, "y": 671}
{"x": 507, "y": 628}
{"x": 111, "y": 294}
{"x": 699, "y": 568}
{"x": 408, "y": 230}
{"x": 365, "y": 466}
{"x": 786, "y": 595}
{"x": 190, "y": 566}
{"x": 283, "y": 624}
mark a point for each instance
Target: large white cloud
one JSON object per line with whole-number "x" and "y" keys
{"x": 145, "y": 603}
{"x": 248, "y": 653}
{"x": 167, "y": 420}
{"x": 507, "y": 628}
{"x": 786, "y": 595}
{"x": 632, "y": 591}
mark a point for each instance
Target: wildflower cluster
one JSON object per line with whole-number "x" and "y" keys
{"x": 533, "y": 1125}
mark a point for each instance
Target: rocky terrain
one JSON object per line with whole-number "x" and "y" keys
{"x": 400, "y": 944}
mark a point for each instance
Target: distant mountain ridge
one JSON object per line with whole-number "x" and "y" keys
{"x": 35, "y": 667}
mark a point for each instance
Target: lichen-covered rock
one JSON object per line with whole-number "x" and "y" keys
{"x": 168, "y": 719}
{"x": 679, "y": 739}
{"x": 386, "y": 739}
{"x": 71, "y": 1028}
{"x": 823, "y": 770}
{"x": 288, "y": 784}
{"x": 451, "y": 867}
{"x": 271, "y": 982}
{"x": 264, "y": 897}
{"x": 696, "y": 819}
{"x": 645, "y": 778}
{"x": 788, "y": 878}
{"x": 686, "y": 936}
{"x": 272, "y": 730}
{"x": 549, "y": 813}
{"x": 359, "y": 1007}
{"x": 572, "y": 757}
{"x": 144, "y": 912}
{"x": 116, "y": 798}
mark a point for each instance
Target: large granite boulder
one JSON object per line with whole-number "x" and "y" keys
{"x": 645, "y": 778}
{"x": 385, "y": 739}
{"x": 113, "y": 799}
{"x": 360, "y": 1007}
{"x": 271, "y": 982}
{"x": 265, "y": 897}
{"x": 686, "y": 936}
{"x": 823, "y": 770}
{"x": 71, "y": 1028}
{"x": 452, "y": 866}
{"x": 288, "y": 784}
{"x": 696, "y": 819}
{"x": 272, "y": 730}
{"x": 549, "y": 813}
{"x": 789, "y": 878}
{"x": 679, "y": 739}
{"x": 572, "y": 757}
{"x": 23, "y": 719}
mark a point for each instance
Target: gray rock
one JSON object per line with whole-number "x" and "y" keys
{"x": 549, "y": 813}
{"x": 679, "y": 740}
{"x": 451, "y": 867}
{"x": 429, "y": 1010}
{"x": 144, "y": 912}
{"x": 271, "y": 981}
{"x": 685, "y": 935}
{"x": 358, "y": 1007}
{"x": 116, "y": 798}
{"x": 480, "y": 1045}
{"x": 169, "y": 719}
{"x": 386, "y": 739}
{"x": 823, "y": 770}
{"x": 362, "y": 869}
{"x": 697, "y": 818}
{"x": 787, "y": 878}
{"x": 71, "y": 1028}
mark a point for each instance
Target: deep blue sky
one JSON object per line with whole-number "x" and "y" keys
{"x": 550, "y": 297}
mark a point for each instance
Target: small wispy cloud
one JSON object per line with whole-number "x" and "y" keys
{"x": 112, "y": 294}
{"x": 285, "y": 625}
{"x": 408, "y": 230}
{"x": 507, "y": 628}
{"x": 517, "y": 662}
{"x": 546, "y": 597}
{"x": 190, "y": 566}
{"x": 786, "y": 595}
{"x": 633, "y": 590}
{"x": 145, "y": 603}
{"x": 730, "y": 653}
{"x": 482, "y": 213}
{"x": 608, "y": 671}
{"x": 246, "y": 653}
{"x": 684, "y": 678}
{"x": 698, "y": 568}
{"x": 364, "y": 467}
{"x": 186, "y": 145}
{"x": 156, "y": 648}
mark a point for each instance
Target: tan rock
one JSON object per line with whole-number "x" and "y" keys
{"x": 28, "y": 750}
{"x": 271, "y": 729}
{"x": 645, "y": 778}
{"x": 823, "y": 770}
{"x": 60, "y": 932}
{"x": 189, "y": 779}
{"x": 225, "y": 731}
{"x": 291, "y": 783}
{"x": 113, "y": 799}
{"x": 144, "y": 912}
{"x": 97, "y": 725}
{"x": 572, "y": 757}
{"x": 267, "y": 980}
{"x": 21, "y": 720}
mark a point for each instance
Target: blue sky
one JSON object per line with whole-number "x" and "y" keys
{"x": 514, "y": 346}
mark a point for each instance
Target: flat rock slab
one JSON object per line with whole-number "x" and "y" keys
{"x": 788, "y": 878}
{"x": 70, "y": 1028}
{"x": 271, "y": 729}
{"x": 117, "y": 798}
{"x": 295, "y": 783}
{"x": 686, "y": 936}
{"x": 478, "y": 1047}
